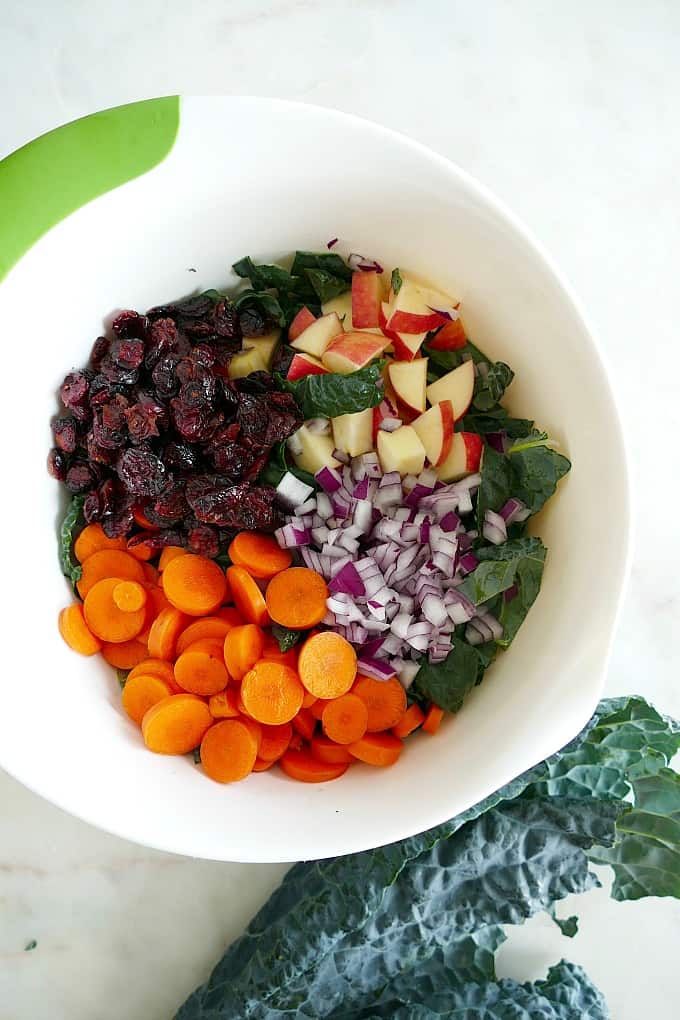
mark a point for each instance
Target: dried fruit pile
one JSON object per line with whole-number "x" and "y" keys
{"x": 164, "y": 447}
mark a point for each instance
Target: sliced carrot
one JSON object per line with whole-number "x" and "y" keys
{"x": 261, "y": 765}
{"x": 155, "y": 667}
{"x": 412, "y": 718}
{"x": 308, "y": 701}
{"x": 142, "y": 551}
{"x": 168, "y": 553}
{"x": 317, "y": 707}
{"x": 296, "y": 743}
{"x": 125, "y": 654}
{"x": 327, "y": 750}
{"x": 165, "y": 630}
{"x": 201, "y": 670}
{"x": 302, "y": 766}
{"x": 228, "y": 751}
{"x": 75, "y": 631}
{"x": 248, "y": 598}
{"x": 130, "y": 596}
{"x": 305, "y": 723}
{"x": 384, "y": 699}
{"x": 140, "y": 693}
{"x": 176, "y": 724}
{"x": 345, "y": 719}
{"x": 93, "y": 539}
{"x": 194, "y": 584}
{"x": 272, "y": 693}
{"x": 241, "y": 707}
{"x": 433, "y": 719}
{"x": 261, "y": 555}
{"x": 327, "y": 664}
{"x": 142, "y": 521}
{"x": 242, "y": 649}
{"x": 231, "y": 615}
{"x": 108, "y": 563}
{"x": 273, "y": 652}
{"x": 275, "y": 740}
{"x": 225, "y": 704}
{"x": 104, "y": 618}
{"x": 207, "y": 627}
{"x": 377, "y": 749}
{"x": 151, "y": 575}
{"x": 296, "y": 598}
{"x": 255, "y": 728}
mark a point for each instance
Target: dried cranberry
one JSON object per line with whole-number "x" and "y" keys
{"x": 233, "y": 506}
{"x": 92, "y": 509}
{"x": 203, "y": 354}
{"x": 100, "y": 348}
{"x": 197, "y": 307}
{"x": 159, "y": 539}
{"x": 256, "y": 383}
{"x": 98, "y": 454}
{"x": 65, "y": 434}
{"x": 203, "y": 540}
{"x": 145, "y": 419}
{"x": 57, "y": 464}
{"x": 117, "y": 374}
{"x": 252, "y": 415}
{"x": 226, "y": 320}
{"x": 164, "y": 376}
{"x": 127, "y": 353}
{"x": 233, "y": 460}
{"x": 107, "y": 496}
{"x": 180, "y": 457}
{"x": 162, "y": 339}
{"x": 193, "y": 423}
{"x": 130, "y": 324}
{"x": 142, "y": 472}
{"x": 80, "y": 477}
{"x": 284, "y": 418}
{"x": 109, "y": 430}
{"x": 171, "y": 505}
{"x": 283, "y": 357}
{"x": 120, "y": 521}
{"x": 252, "y": 322}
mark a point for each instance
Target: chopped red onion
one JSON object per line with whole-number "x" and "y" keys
{"x": 448, "y": 312}
{"x": 307, "y": 508}
{"x": 323, "y": 506}
{"x": 347, "y": 581}
{"x": 333, "y": 241}
{"x": 467, "y": 563}
{"x": 291, "y": 491}
{"x": 290, "y": 537}
{"x": 494, "y": 529}
{"x": 514, "y": 510}
{"x": 490, "y": 621}
{"x": 329, "y": 479}
{"x": 377, "y": 668}
{"x": 406, "y": 671}
{"x": 356, "y": 261}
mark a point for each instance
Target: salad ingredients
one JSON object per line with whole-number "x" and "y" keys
{"x": 327, "y": 665}
{"x": 296, "y": 598}
{"x": 228, "y": 751}
{"x": 248, "y": 598}
{"x": 194, "y": 585}
{"x": 75, "y": 631}
{"x": 176, "y": 724}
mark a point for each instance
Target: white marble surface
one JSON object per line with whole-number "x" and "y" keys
{"x": 569, "y": 112}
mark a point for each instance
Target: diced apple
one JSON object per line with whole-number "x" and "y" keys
{"x": 407, "y": 345}
{"x": 342, "y": 305}
{"x": 409, "y": 380}
{"x": 387, "y": 408}
{"x": 366, "y": 299}
{"x": 409, "y": 312}
{"x": 450, "y": 337}
{"x": 353, "y": 433}
{"x": 316, "y": 450}
{"x": 305, "y": 364}
{"x": 435, "y": 431}
{"x": 456, "y": 386}
{"x": 351, "y": 351}
{"x": 256, "y": 356}
{"x": 464, "y": 457}
{"x": 383, "y": 316}
{"x": 303, "y": 319}
{"x": 316, "y": 337}
{"x": 401, "y": 451}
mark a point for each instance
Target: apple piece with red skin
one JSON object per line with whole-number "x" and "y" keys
{"x": 349, "y": 352}
{"x": 407, "y": 345}
{"x": 303, "y": 319}
{"x": 366, "y": 299}
{"x": 383, "y": 316}
{"x": 409, "y": 381}
{"x": 409, "y": 312}
{"x": 317, "y": 336}
{"x": 401, "y": 451}
{"x": 305, "y": 364}
{"x": 463, "y": 459}
{"x": 450, "y": 337}
{"x": 435, "y": 431}
{"x": 457, "y": 386}
{"x": 387, "y": 408}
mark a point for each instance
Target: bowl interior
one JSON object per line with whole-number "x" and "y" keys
{"x": 263, "y": 177}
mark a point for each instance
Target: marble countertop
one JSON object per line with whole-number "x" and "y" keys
{"x": 569, "y": 113}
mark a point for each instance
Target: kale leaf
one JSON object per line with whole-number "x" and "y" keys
{"x": 71, "y": 524}
{"x": 286, "y": 637}
{"x": 519, "y": 563}
{"x": 326, "y": 396}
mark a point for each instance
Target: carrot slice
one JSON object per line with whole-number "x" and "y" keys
{"x": 129, "y": 596}
{"x": 317, "y": 707}
{"x": 155, "y": 667}
{"x": 255, "y": 728}
{"x": 151, "y": 575}
{"x": 228, "y": 751}
{"x": 165, "y": 630}
{"x": 231, "y": 615}
{"x": 345, "y": 719}
{"x": 327, "y": 750}
{"x": 248, "y": 598}
{"x": 305, "y": 723}
{"x": 384, "y": 699}
{"x": 377, "y": 749}
{"x": 261, "y": 764}
{"x": 201, "y": 670}
{"x": 433, "y": 719}
{"x": 176, "y": 724}
{"x": 296, "y": 598}
{"x": 140, "y": 693}
{"x": 168, "y": 553}
{"x": 225, "y": 704}
{"x": 327, "y": 664}
{"x": 272, "y": 652}
{"x": 125, "y": 654}
{"x": 207, "y": 627}
{"x": 242, "y": 649}
{"x": 142, "y": 520}
{"x": 75, "y": 631}
{"x": 93, "y": 539}
{"x": 142, "y": 551}
{"x": 108, "y": 563}
{"x": 412, "y": 718}
{"x": 259, "y": 554}
{"x": 296, "y": 743}
{"x": 302, "y": 766}
{"x": 272, "y": 693}
{"x": 308, "y": 701}
{"x": 194, "y": 584}
{"x": 275, "y": 740}
{"x": 104, "y": 618}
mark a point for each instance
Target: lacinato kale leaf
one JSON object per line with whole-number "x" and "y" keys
{"x": 537, "y": 469}
{"x": 70, "y": 526}
{"x": 517, "y": 563}
{"x": 286, "y": 637}
{"x": 496, "y": 485}
{"x": 326, "y": 396}
{"x": 326, "y": 285}
{"x": 495, "y": 420}
{"x": 490, "y": 386}
{"x": 396, "y": 281}
{"x": 328, "y": 262}
{"x": 448, "y": 683}
{"x": 264, "y": 302}
{"x": 264, "y": 277}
